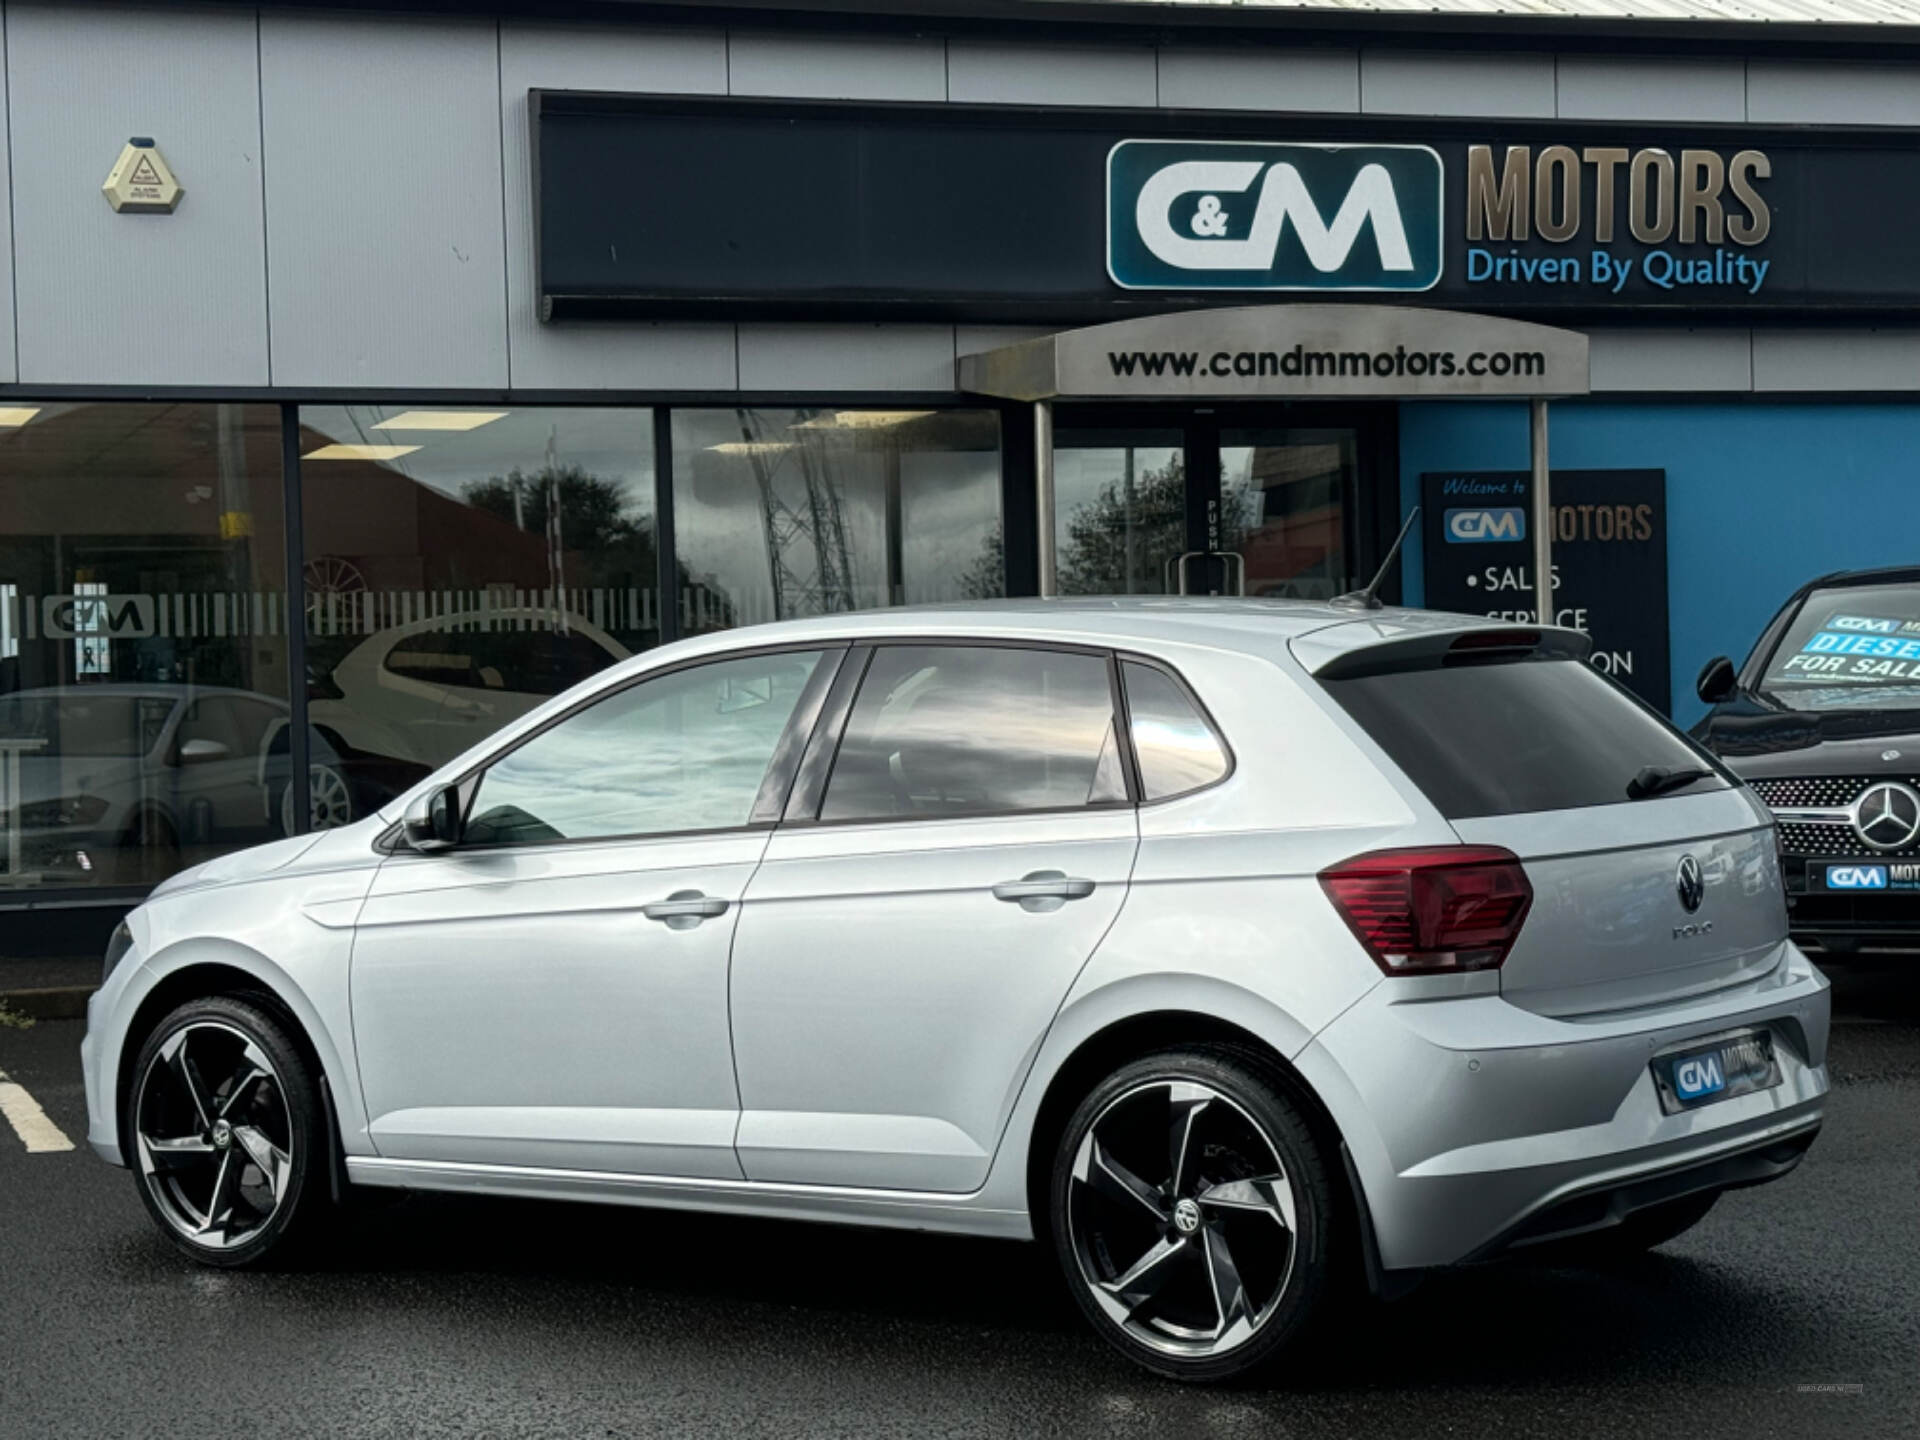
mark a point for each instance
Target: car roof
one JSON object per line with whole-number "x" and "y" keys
{"x": 1253, "y": 626}
{"x": 1846, "y": 579}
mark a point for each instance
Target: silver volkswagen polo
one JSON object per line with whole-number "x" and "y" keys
{"x": 1241, "y": 952}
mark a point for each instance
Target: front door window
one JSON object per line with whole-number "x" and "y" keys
{"x": 683, "y": 752}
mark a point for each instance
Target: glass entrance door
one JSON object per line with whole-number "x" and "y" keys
{"x": 1120, "y": 509}
{"x": 1288, "y": 491}
{"x": 1207, "y": 502}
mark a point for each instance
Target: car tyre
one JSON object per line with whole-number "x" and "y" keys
{"x": 226, "y": 1135}
{"x": 1192, "y": 1213}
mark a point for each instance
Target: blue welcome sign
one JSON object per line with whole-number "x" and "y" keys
{"x": 1200, "y": 215}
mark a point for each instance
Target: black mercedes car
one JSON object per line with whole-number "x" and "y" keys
{"x": 1823, "y": 721}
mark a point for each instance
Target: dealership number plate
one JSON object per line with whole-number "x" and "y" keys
{"x": 1867, "y": 877}
{"x": 1733, "y": 1065}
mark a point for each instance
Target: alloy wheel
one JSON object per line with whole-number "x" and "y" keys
{"x": 329, "y": 800}
{"x": 214, "y": 1135}
{"x": 1182, "y": 1218}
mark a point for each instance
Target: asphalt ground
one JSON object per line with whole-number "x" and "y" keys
{"x": 1791, "y": 1310}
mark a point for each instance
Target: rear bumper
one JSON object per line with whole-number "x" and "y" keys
{"x": 1475, "y": 1125}
{"x": 1607, "y": 1202}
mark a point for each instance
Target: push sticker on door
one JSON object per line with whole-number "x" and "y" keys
{"x": 1204, "y": 215}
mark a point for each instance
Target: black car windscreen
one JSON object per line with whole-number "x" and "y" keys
{"x": 1514, "y": 737}
{"x": 1851, "y": 648}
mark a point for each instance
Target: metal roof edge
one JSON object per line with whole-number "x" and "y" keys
{"x": 1170, "y": 21}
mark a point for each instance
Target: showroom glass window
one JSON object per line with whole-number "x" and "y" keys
{"x": 462, "y": 565}
{"x": 779, "y": 514}
{"x": 143, "y": 640}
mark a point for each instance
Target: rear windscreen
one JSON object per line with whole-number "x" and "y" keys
{"x": 1516, "y": 736}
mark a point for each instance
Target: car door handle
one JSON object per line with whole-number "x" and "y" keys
{"x": 1042, "y": 891}
{"x": 684, "y": 909}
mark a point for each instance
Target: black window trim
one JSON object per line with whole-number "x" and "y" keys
{"x": 830, "y": 740}
{"x": 833, "y": 651}
{"x": 1154, "y": 662}
{"x": 809, "y": 789}
{"x": 806, "y": 788}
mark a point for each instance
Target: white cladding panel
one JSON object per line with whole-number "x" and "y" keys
{"x": 1671, "y": 360}
{"x": 1794, "y": 93}
{"x": 1002, "y": 74}
{"x": 124, "y": 299}
{"x": 838, "y": 67}
{"x": 1250, "y": 79}
{"x": 1394, "y": 82}
{"x": 9, "y": 336}
{"x": 846, "y": 357}
{"x": 386, "y": 254}
{"x": 1847, "y": 361}
{"x": 359, "y": 189}
{"x": 1611, "y": 87}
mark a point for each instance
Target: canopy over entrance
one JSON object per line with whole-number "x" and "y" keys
{"x": 1317, "y": 352}
{"x": 1291, "y": 352}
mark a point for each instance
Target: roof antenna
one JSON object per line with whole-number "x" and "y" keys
{"x": 1369, "y": 598}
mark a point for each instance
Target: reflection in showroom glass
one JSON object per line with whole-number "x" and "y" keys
{"x": 463, "y": 565}
{"x": 780, "y": 514}
{"x": 143, "y": 610}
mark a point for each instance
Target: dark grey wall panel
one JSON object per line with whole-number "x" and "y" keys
{"x": 385, "y": 226}
{"x": 136, "y": 299}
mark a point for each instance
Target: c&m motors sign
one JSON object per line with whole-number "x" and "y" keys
{"x": 1197, "y": 215}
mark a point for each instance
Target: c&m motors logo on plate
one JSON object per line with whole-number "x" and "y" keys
{"x": 1228, "y": 215}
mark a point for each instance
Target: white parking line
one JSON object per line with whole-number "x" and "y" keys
{"x": 29, "y": 1121}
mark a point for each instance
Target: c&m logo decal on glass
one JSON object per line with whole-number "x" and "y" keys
{"x": 1203, "y": 215}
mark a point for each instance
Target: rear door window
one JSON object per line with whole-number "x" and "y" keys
{"x": 940, "y": 730}
{"x": 1176, "y": 747}
{"x": 1516, "y": 736}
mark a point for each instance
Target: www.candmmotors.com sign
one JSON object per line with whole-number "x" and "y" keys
{"x": 1288, "y": 351}
{"x": 1194, "y": 215}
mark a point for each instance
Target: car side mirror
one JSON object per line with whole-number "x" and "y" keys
{"x": 432, "y": 820}
{"x": 199, "y": 751}
{"x": 1717, "y": 680}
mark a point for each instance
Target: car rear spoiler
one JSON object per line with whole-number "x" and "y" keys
{"x": 1345, "y": 652}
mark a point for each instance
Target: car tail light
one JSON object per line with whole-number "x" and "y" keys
{"x": 1432, "y": 911}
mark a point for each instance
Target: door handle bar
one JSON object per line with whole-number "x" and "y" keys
{"x": 684, "y": 909}
{"x": 1044, "y": 886}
